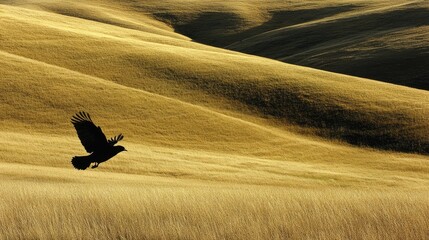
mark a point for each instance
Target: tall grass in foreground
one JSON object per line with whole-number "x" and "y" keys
{"x": 30, "y": 210}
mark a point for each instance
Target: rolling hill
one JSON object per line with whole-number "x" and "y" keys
{"x": 383, "y": 40}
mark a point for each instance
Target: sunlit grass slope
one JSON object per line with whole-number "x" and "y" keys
{"x": 355, "y": 110}
{"x": 38, "y": 98}
{"x": 221, "y": 145}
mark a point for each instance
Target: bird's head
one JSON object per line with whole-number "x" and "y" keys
{"x": 120, "y": 149}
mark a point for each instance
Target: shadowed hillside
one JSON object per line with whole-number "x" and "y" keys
{"x": 382, "y": 40}
{"x": 387, "y": 46}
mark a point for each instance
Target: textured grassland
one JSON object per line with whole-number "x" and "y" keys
{"x": 154, "y": 192}
{"x": 221, "y": 145}
{"x": 53, "y": 210}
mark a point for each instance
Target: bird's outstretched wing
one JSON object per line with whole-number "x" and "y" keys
{"x": 115, "y": 139}
{"x": 91, "y": 136}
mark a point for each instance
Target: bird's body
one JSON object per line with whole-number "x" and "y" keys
{"x": 94, "y": 141}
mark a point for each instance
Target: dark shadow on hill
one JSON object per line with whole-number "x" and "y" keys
{"x": 407, "y": 67}
{"x": 204, "y": 26}
{"x": 297, "y": 45}
{"x": 223, "y": 28}
{"x": 293, "y": 41}
{"x": 388, "y": 130}
{"x": 282, "y": 19}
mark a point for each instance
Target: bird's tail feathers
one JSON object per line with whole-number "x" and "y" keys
{"x": 81, "y": 162}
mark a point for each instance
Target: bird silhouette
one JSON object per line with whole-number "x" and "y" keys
{"x": 94, "y": 141}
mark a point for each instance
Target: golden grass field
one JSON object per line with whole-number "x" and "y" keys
{"x": 221, "y": 144}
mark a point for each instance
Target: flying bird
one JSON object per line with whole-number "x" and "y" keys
{"x": 94, "y": 141}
